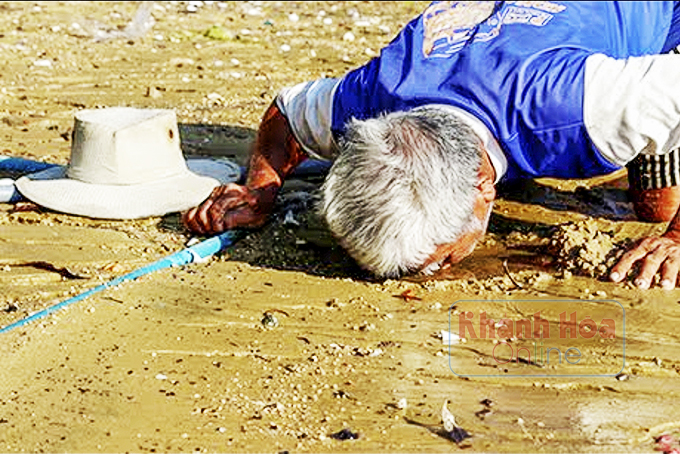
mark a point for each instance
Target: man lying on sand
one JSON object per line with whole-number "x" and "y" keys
{"x": 466, "y": 95}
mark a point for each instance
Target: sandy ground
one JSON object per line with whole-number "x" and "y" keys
{"x": 181, "y": 361}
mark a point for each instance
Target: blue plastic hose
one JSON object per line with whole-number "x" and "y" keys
{"x": 24, "y": 166}
{"x": 310, "y": 167}
{"x": 8, "y": 193}
{"x": 191, "y": 254}
{"x": 196, "y": 253}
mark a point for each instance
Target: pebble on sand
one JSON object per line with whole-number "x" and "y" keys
{"x": 345, "y": 434}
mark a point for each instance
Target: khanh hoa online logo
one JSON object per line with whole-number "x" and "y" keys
{"x": 576, "y": 338}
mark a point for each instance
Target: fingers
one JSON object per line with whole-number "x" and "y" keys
{"x": 209, "y": 218}
{"x": 191, "y": 221}
{"x": 626, "y": 262}
{"x": 656, "y": 255}
{"x": 227, "y": 207}
{"x": 650, "y": 266}
{"x": 669, "y": 273}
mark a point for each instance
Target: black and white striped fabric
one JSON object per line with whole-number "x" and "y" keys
{"x": 654, "y": 171}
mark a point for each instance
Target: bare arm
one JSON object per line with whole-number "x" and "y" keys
{"x": 275, "y": 154}
{"x": 632, "y": 106}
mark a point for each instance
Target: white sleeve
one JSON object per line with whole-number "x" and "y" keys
{"x": 309, "y": 110}
{"x": 632, "y": 105}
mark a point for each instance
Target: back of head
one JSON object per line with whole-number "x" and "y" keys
{"x": 403, "y": 184}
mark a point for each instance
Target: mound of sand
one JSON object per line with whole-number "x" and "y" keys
{"x": 582, "y": 248}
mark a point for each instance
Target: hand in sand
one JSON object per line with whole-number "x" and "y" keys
{"x": 656, "y": 254}
{"x": 227, "y": 207}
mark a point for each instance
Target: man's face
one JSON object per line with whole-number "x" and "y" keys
{"x": 450, "y": 253}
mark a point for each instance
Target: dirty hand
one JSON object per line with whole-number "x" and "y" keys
{"x": 656, "y": 254}
{"x": 227, "y": 207}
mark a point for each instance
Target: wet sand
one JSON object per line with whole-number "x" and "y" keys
{"x": 181, "y": 361}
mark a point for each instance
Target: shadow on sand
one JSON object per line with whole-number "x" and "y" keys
{"x": 296, "y": 238}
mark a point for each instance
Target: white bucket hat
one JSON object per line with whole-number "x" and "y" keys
{"x": 126, "y": 163}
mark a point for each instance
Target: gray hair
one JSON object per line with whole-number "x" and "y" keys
{"x": 403, "y": 184}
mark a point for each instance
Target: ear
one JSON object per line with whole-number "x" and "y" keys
{"x": 486, "y": 187}
{"x": 486, "y": 178}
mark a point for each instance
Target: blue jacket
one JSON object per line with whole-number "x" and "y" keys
{"x": 520, "y": 71}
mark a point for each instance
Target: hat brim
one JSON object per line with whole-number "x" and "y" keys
{"x": 52, "y": 189}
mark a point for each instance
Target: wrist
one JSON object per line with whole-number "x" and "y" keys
{"x": 266, "y": 193}
{"x": 672, "y": 233}
{"x": 263, "y": 182}
{"x": 656, "y": 205}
